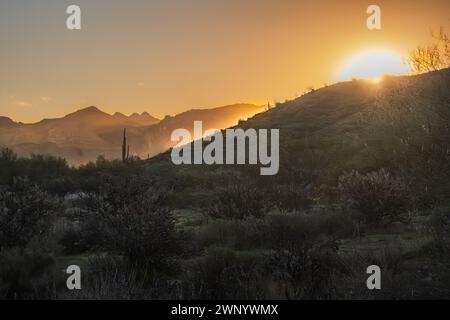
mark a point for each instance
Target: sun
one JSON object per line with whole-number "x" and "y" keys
{"x": 373, "y": 65}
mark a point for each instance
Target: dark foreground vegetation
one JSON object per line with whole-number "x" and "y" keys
{"x": 364, "y": 179}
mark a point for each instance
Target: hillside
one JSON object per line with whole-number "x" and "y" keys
{"x": 158, "y": 136}
{"x": 364, "y": 125}
{"x": 400, "y": 123}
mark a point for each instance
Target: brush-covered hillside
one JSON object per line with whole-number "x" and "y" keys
{"x": 398, "y": 123}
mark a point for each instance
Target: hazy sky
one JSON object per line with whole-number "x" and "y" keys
{"x": 165, "y": 56}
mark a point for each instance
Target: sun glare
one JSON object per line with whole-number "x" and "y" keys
{"x": 373, "y": 65}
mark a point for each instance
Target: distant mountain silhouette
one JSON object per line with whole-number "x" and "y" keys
{"x": 84, "y": 134}
{"x": 144, "y": 118}
{"x": 6, "y": 122}
{"x": 158, "y": 136}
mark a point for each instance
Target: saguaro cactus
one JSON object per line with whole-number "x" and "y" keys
{"x": 125, "y": 147}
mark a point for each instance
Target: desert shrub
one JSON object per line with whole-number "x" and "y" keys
{"x": 148, "y": 237}
{"x": 140, "y": 233}
{"x": 305, "y": 262}
{"x": 26, "y": 275}
{"x": 112, "y": 278}
{"x": 135, "y": 228}
{"x": 127, "y": 217}
{"x": 43, "y": 166}
{"x": 439, "y": 228}
{"x": 304, "y": 271}
{"x": 39, "y": 168}
{"x": 84, "y": 201}
{"x": 242, "y": 234}
{"x": 25, "y": 213}
{"x": 238, "y": 200}
{"x": 298, "y": 254}
{"x": 223, "y": 274}
{"x": 276, "y": 230}
{"x": 134, "y": 190}
{"x": 116, "y": 278}
{"x": 9, "y": 165}
{"x": 85, "y": 226}
{"x": 292, "y": 197}
{"x": 285, "y": 230}
{"x": 7, "y": 155}
{"x": 72, "y": 238}
{"x": 103, "y": 167}
{"x": 61, "y": 185}
{"x": 379, "y": 196}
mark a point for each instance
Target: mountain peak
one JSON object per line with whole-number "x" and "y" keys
{"x": 119, "y": 115}
{"x": 144, "y": 118}
{"x": 88, "y": 112}
{"x": 90, "y": 109}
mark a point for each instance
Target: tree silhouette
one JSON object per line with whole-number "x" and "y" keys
{"x": 433, "y": 56}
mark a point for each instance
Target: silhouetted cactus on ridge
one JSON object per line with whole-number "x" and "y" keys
{"x": 125, "y": 147}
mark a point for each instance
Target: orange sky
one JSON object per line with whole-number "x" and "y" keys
{"x": 166, "y": 56}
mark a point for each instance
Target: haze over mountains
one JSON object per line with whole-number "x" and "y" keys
{"x": 83, "y": 135}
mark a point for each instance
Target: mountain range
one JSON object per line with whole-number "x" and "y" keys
{"x": 83, "y": 135}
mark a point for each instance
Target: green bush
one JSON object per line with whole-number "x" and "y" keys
{"x": 9, "y": 166}
{"x": 286, "y": 230}
{"x": 223, "y": 274}
{"x": 141, "y": 234}
{"x": 305, "y": 271}
{"x": 135, "y": 190}
{"x": 128, "y": 218}
{"x": 25, "y": 213}
{"x": 305, "y": 262}
{"x": 276, "y": 230}
{"x": 72, "y": 239}
{"x": 379, "y": 196}
{"x": 238, "y": 200}
{"x": 26, "y": 275}
{"x": 248, "y": 233}
{"x": 292, "y": 197}
{"x": 114, "y": 278}
{"x": 439, "y": 228}
{"x": 147, "y": 238}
